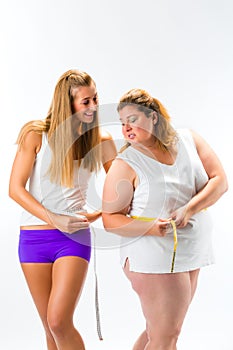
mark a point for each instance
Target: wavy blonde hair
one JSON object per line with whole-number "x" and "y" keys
{"x": 165, "y": 134}
{"x": 65, "y": 145}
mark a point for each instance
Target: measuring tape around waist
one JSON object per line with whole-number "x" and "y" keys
{"x": 172, "y": 222}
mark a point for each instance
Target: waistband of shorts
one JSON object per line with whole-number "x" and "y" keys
{"x": 51, "y": 234}
{"x": 52, "y": 231}
{"x": 40, "y": 231}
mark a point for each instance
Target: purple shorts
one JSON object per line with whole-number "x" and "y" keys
{"x": 45, "y": 246}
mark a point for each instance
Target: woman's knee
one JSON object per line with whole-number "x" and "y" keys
{"x": 47, "y": 330}
{"x": 173, "y": 332}
{"x": 165, "y": 336}
{"x": 58, "y": 325}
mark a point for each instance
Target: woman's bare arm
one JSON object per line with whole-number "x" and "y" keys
{"x": 21, "y": 171}
{"x": 213, "y": 190}
{"x": 117, "y": 196}
{"x": 109, "y": 150}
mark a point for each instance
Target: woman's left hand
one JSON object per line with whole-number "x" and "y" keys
{"x": 181, "y": 216}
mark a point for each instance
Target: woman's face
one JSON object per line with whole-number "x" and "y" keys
{"x": 136, "y": 126}
{"x": 85, "y": 103}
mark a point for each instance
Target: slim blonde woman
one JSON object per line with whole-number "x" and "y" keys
{"x": 155, "y": 193}
{"x": 57, "y": 155}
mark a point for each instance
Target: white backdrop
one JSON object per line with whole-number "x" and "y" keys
{"x": 182, "y": 53}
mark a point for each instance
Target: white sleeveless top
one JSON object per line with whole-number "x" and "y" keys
{"x": 161, "y": 189}
{"x": 56, "y": 198}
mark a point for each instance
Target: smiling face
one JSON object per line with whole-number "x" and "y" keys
{"x": 136, "y": 126}
{"x": 85, "y": 103}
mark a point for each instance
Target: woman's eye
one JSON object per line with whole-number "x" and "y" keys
{"x": 132, "y": 120}
{"x": 86, "y": 102}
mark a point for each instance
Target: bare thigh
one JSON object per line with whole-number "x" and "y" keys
{"x": 193, "y": 275}
{"x": 56, "y": 288}
{"x": 164, "y": 298}
{"x": 68, "y": 278}
{"x": 39, "y": 280}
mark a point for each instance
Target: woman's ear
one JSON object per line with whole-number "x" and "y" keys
{"x": 154, "y": 117}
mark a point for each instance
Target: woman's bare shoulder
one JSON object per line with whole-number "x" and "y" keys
{"x": 105, "y": 135}
{"x": 32, "y": 140}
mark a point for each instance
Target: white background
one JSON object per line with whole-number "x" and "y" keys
{"x": 181, "y": 51}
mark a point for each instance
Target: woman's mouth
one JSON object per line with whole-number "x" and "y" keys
{"x": 131, "y": 136}
{"x": 89, "y": 114}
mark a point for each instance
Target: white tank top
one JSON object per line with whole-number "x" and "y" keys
{"x": 162, "y": 189}
{"x": 56, "y": 198}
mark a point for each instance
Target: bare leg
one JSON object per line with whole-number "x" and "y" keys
{"x": 39, "y": 280}
{"x": 141, "y": 341}
{"x": 193, "y": 275}
{"x": 55, "y": 289}
{"x": 165, "y": 300}
{"x": 68, "y": 277}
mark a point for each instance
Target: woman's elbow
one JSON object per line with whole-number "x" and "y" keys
{"x": 225, "y": 186}
{"x": 107, "y": 222}
{"x": 13, "y": 195}
{"x": 13, "y": 192}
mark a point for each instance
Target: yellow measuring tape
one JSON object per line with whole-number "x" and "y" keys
{"x": 175, "y": 244}
{"x": 144, "y": 218}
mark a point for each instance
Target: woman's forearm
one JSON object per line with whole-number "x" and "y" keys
{"x": 64, "y": 223}
{"x": 29, "y": 203}
{"x": 209, "y": 195}
{"x": 126, "y": 226}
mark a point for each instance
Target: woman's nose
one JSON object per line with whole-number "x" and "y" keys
{"x": 93, "y": 105}
{"x": 128, "y": 127}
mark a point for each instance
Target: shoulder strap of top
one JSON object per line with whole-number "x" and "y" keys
{"x": 44, "y": 145}
{"x": 186, "y": 137}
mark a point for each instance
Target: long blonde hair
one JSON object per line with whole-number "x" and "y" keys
{"x": 165, "y": 134}
{"x": 65, "y": 145}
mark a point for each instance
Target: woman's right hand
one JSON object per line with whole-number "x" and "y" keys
{"x": 160, "y": 228}
{"x": 68, "y": 224}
